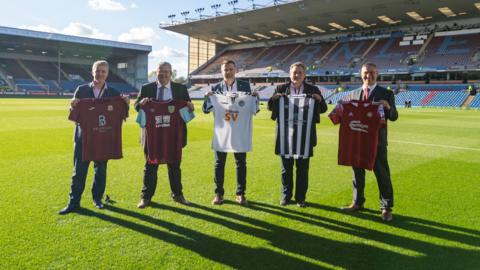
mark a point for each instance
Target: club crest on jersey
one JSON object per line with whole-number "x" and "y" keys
{"x": 350, "y": 114}
{"x": 102, "y": 121}
{"x": 171, "y": 109}
{"x": 110, "y": 108}
{"x": 369, "y": 114}
{"x": 241, "y": 103}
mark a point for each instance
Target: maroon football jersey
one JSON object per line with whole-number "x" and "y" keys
{"x": 100, "y": 122}
{"x": 358, "y": 136}
{"x": 163, "y": 131}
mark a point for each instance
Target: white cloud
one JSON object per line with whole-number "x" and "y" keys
{"x": 133, "y": 5}
{"x": 142, "y": 35}
{"x": 177, "y": 58}
{"x": 167, "y": 53}
{"x": 41, "y": 28}
{"x": 106, "y": 5}
{"x": 84, "y": 30}
{"x": 74, "y": 28}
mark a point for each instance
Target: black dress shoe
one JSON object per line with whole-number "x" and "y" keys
{"x": 68, "y": 209}
{"x": 302, "y": 204}
{"x": 284, "y": 202}
{"x": 180, "y": 199}
{"x": 98, "y": 204}
{"x": 352, "y": 208}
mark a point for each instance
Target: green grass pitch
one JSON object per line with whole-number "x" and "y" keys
{"x": 434, "y": 157}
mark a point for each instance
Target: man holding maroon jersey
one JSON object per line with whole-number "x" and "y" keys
{"x": 97, "y": 89}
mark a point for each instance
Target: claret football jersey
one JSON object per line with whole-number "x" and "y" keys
{"x": 101, "y": 123}
{"x": 163, "y": 131}
{"x": 358, "y": 135}
{"x": 233, "y": 121}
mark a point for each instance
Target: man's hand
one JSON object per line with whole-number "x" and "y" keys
{"x": 209, "y": 93}
{"x": 385, "y": 104}
{"x": 317, "y": 97}
{"x": 74, "y": 102}
{"x": 126, "y": 98}
{"x": 190, "y": 106}
{"x": 143, "y": 101}
{"x": 255, "y": 93}
{"x": 277, "y": 96}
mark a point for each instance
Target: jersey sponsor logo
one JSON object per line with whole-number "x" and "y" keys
{"x": 91, "y": 108}
{"x": 231, "y": 115}
{"x": 162, "y": 121}
{"x": 102, "y": 121}
{"x": 356, "y": 125}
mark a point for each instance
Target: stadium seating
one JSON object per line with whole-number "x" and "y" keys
{"x": 46, "y": 76}
{"x": 475, "y": 102}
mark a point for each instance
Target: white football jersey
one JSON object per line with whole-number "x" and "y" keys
{"x": 233, "y": 122}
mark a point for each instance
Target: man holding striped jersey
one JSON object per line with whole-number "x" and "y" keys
{"x": 296, "y": 106}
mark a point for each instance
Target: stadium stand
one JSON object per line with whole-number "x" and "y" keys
{"x": 33, "y": 62}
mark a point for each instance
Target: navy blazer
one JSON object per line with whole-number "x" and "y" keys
{"x": 179, "y": 92}
{"x": 242, "y": 86}
{"x": 320, "y": 107}
{"x": 377, "y": 94}
{"x": 86, "y": 91}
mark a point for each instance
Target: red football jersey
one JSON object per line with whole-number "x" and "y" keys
{"x": 163, "y": 131}
{"x": 100, "y": 122}
{"x": 358, "y": 136}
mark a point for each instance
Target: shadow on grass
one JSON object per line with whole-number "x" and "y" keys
{"x": 230, "y": 254}
{"x": 440, "y": 256}
{"x": 335, "y": 253}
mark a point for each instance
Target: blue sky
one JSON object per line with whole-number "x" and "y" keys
{"x": 122, "y": 20}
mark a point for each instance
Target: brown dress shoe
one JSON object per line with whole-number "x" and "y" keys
{"x": 387, "y": 214}
{"x": 180, "y": 199}
{"x": 143, "y": 203}
{"x": 217, "y": 200}
{"x": 352, "y": 208}
{"x": 241, "y": 199}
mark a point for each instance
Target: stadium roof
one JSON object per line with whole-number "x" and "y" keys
{"x": 315, "y": 17}
{"x": 21, "y": 41}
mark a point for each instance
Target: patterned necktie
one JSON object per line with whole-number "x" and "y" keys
{"x": 365, "y": 93}
{"x": 161, "y": 90}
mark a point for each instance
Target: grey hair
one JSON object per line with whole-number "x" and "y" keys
{"x": 99, "y": 63}
{"x": 165, "y": 64}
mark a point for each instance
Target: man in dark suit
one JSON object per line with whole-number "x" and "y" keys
{"x": 98, "y": 88}
{"x": 372, "y": 92}
{"x": 298, "y": 86}
{"x": 163, "y": 89}
{"x": 229, "y": 84}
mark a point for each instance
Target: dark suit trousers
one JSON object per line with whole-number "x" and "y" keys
{"x": 80, "y": 176}
{"x": 301, "y": 182}
{"x": 382, "y": 173}
{"x": 150, "y": 180}
{"x": 241, "y": 165}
